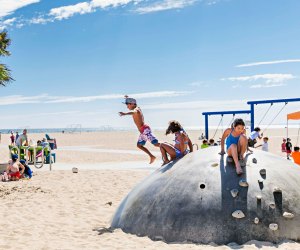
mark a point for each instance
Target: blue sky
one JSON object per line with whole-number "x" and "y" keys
{"x": 73, "y": 61}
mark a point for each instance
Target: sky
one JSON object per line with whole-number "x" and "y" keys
{"x": 73, "y": 61}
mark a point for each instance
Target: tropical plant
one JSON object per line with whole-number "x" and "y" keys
{"x": 5, "y": 76}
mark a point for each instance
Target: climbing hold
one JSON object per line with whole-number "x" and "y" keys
{"x": 243, "y": 183}
{"x": 260, "y": 180}
{"x": 234, "y": 192}
{"x": 288, "y": 215}
{"x": 273, "y": 226}
{"x": 238, "y": 214}
{"x": 75, "y": 170}
{"x": 254, "y": 160}
{"x": 258, "y": 197}
{"x": 263, "y": 171}
{"x": 229, "y": 159}
{"x": 277, "y": 190}
{"x": 256, "y": 220}
{"x": 214, "y": 164}
{"x": 272, "y": 205}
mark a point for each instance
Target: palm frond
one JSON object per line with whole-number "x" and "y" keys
{"x": 4, "y": 43}
{"x": 5, "y": 76}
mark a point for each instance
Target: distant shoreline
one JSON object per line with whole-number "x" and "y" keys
{"x": 110, "y": 129}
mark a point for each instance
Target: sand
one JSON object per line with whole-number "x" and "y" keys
{"x": 61, "y": 210}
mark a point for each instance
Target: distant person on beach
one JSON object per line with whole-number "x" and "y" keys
{"x": 236, "y": 143}
{"x": 283, "y": 147}
{"x": 252, "y": 140}
{"x": 182, "y": 146}
{"x": 144, "y": 129}
{"x": 204, "y": 144}
{"x": 201, "y": 136}
{"x": 296, "y": 155}
{"x": 14, "y": 168}
{"x": 264, "y": 146}
{"x": 22, "y": 139}
{"x": 288, "y": 147}
{"x": 17, "y": 135}
{"x": 212, "y": 142}
{"x": 12, "y": 138}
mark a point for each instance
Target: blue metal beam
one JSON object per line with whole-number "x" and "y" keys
{"x": 227, "y": 112}
{"x": 251, "y": 103}
{"x": 234, "y": 112}
{"x": 274, "y": 101}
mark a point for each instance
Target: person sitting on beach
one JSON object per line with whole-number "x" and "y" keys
{"x": 236, "y": 143}
{"x": 296, "y": 155}
{"x": 27, "y": 170}
{"x": 183, "y": 144}
{"x": 253, "y": 137}
{"x": 144, "y": 129}
{"x": 265, "y": 145}
{"x": 212, "y": 142}
{"x": 204, "y": 144}
{"x": 13, "y": 168}
{"x": 283, "y": 147}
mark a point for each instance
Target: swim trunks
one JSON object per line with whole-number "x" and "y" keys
{"x": 146, "y": 135}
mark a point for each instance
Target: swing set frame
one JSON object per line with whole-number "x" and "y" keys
{"x": 251, "y": 111}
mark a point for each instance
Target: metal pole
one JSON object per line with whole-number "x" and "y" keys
{"x": 206, "y": 126}
{"x": 252, "y": 116}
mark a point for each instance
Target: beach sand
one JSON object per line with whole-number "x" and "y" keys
{"x": 61, "y": 210}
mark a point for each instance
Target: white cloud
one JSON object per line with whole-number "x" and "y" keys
{"x": 44, "y": 98}
{"x": 271, "y": 80}
{"x": 206, "y": 105}
{"x": 268, "y": 62}
{"x": 7, "y": 7}
{"x": 18, "y": 99}
{"x": 6, "y": 23}
{"x": 165, "y": 5}
{"x": 66, "y": 12}
{"x": 267, "y": 85}
{"x": 158, "y": 94}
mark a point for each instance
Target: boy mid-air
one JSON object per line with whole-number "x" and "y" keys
{"x": 144, "y": 129}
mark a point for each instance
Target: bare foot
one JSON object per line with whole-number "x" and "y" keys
{"x": 152, "y": 159}
{"x": 239, "y": 170}
{"x": 165, "y": 163}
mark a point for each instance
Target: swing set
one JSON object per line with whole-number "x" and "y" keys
{"x": 251, "y": 112}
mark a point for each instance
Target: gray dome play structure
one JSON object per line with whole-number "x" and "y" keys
{"x": 201, "y": 199}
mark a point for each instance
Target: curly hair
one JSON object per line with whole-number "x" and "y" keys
{"x": 174, "y": 126}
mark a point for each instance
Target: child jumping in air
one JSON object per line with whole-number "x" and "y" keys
{"x": 144, "y": 129}
{"x": 236, "y": 143}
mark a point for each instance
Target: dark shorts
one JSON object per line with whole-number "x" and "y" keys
{"x": 251, "y": 142}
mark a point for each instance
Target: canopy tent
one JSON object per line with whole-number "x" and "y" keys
{"x": 293, "y": 116}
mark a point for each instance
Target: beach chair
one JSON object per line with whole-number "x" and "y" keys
{"x": 52, "y": 142}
